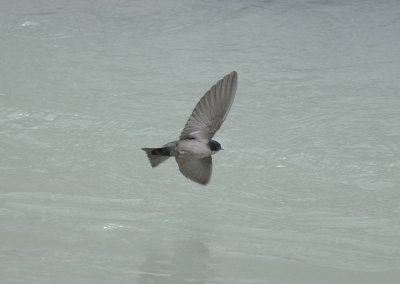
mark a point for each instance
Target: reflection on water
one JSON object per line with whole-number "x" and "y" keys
{"x": 190, "y": 263}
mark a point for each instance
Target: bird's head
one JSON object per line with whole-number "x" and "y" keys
{"x": 214, "y": 146}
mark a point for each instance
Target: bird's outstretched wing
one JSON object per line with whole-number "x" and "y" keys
{"x": 198, "y": 170}
{"x": 212, "y": 109}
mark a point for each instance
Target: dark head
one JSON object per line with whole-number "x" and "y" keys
{"x": 214, "y": 146}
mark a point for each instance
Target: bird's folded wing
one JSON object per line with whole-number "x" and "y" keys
{"x": 198, "y": 170}
{"x": 212, "y": 109}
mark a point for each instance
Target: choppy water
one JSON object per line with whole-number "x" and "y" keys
{"x": 306, "y": 191}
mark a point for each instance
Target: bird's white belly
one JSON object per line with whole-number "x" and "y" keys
{"x": 194, "y": 148}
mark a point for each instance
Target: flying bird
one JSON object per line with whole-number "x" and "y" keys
{"x": 194, "y": 148}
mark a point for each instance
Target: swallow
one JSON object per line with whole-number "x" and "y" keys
{"x": 195, "y": 147}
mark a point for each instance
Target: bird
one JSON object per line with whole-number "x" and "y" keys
{"x": 195, "y": 147}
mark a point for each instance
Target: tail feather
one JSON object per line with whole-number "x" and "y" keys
{"x": 157, "y": 155}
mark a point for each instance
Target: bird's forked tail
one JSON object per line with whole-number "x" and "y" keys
{"x": 157, "y": 155}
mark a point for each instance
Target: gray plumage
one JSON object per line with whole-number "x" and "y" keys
{"x": 194, "y": 148}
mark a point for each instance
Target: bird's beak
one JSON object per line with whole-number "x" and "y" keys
{"x": 222, "y": 148}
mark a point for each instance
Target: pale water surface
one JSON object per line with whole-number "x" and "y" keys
{"x": 306, "y": 191}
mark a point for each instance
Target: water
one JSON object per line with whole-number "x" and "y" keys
{"x": 306, "y": 190}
